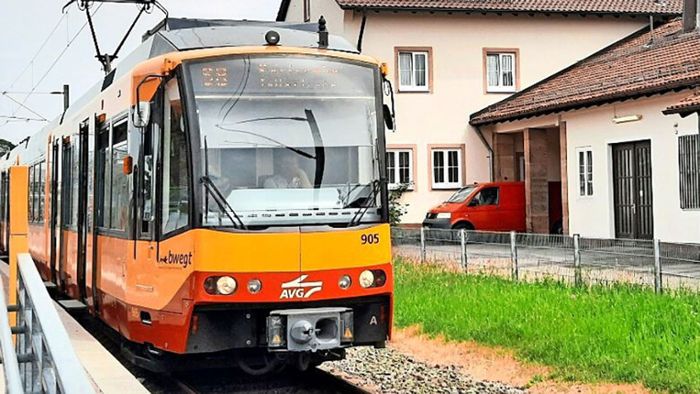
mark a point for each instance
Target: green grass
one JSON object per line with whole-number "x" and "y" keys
{"x": 618, "y": 333}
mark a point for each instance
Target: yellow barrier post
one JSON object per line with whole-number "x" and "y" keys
{"x": 19, "y": 226}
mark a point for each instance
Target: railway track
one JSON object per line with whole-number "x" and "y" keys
{"x": 223, "y": 380}
{"x": 314, "y": 381}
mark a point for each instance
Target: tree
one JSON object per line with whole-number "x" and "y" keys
{"x": 396, "y": 207}
{"x": 5, "y": 146}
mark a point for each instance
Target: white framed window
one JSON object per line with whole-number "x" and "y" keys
{"x": 500, "y": 72}
{"x": 447, "y": 168}
{"x": 399, "y": 167}
{"x": 585, "y": 171}
{"x": 414, "y": 71}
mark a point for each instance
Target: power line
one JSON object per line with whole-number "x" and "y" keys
{"x": 23, "y": 106}
{"x": 41, "y": 47}
{"x": 21, "y": 118}
{"x": 53, "y": 64}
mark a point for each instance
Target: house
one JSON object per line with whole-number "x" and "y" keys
{"x": 451, "y": 58}
{"x": 623, "y": 125}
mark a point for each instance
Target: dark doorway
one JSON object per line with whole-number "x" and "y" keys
{"x": 634, "y": 207}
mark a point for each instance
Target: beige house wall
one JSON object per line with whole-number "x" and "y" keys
{"x": 594, "y": 215}
{"x": 544, "y": 44}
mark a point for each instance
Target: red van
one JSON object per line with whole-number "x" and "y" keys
{"x": 495, "y": 206}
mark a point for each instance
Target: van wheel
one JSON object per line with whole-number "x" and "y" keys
{"x": 463, "y": 226}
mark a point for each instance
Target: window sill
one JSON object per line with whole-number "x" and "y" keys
{"x": 409, "y": 90}
{"x": 490, "y": 91}
{"x": 441, "y": 188}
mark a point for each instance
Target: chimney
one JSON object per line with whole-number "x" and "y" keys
{"x": 691, "y": 15}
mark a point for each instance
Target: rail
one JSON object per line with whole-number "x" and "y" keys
{"x": 41, "y": 359}
{"x": 575, "y": 259}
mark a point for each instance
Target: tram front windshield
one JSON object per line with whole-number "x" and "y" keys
{"x": 287, "y": 140}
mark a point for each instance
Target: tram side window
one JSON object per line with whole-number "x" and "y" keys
{"x": 103, "y": 170}
{"x": 176, "y": 193}
{"x": 75, "y": 171}
{"x": 37, "y": 173}
{"x": 67, "y": 169}
{"x": 120, "y": 181}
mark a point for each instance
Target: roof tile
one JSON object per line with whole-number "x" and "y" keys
{"x": 667, "y": 7}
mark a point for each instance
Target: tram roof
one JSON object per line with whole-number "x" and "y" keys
{"x": 184, "y": 34}
{"x": 187, "y": 34}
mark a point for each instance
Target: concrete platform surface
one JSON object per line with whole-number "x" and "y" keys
{"x": 107, "y": 374}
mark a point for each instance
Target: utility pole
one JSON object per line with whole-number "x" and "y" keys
{"x": 66, "y": 96}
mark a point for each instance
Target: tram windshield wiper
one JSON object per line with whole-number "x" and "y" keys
{"x": 222, "y": 203}
{"x": 369, "y": 201}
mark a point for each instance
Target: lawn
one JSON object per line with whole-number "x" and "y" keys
{"x": 617, "y": 333}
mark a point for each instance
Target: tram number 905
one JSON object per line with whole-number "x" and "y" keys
{"x": 370, "y": 239}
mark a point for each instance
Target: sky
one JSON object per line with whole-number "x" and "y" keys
{"x": 42, "y": 49}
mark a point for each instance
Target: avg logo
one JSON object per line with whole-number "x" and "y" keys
{"x": 297, "y": 288}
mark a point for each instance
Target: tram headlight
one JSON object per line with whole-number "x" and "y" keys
{"x": 226, "y": 285}
{"x": 366, "y": 279}
{"x": 344, "y": 282}
{"x": 254, "y": 286}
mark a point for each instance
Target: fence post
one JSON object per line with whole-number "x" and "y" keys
{"x": 422, "y": 244}
{"x": 513, "y": 256}
{"x": 578, "y": 281}
{"x": 657, "y": 267}
{"x": 463, "y": 242}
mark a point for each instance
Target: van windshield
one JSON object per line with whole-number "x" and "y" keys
{"x": 462, "y": 194}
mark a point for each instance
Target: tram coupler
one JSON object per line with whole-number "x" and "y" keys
{"x": 313, "y": 329}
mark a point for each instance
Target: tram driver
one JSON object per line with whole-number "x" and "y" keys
{"x": 288, "y": 174}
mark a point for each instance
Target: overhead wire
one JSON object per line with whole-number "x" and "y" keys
{"x": 53, "y": 64}
{"x": 41, "y": 47}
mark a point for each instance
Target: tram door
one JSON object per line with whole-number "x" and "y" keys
{"x": 54, "y": 225}
{"x": 82, "y": 216}
{"x": 65, "y": 219}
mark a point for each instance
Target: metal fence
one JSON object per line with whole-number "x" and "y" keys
{"x": 40, "y": 359}
{"x": 576, "y": 260}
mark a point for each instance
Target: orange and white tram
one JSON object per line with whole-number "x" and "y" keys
{"x": 220, "y": 195}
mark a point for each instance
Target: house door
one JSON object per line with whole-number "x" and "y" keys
{"x": 634, "y": 208}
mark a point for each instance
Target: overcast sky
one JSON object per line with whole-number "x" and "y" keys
{"x": 26, "y": 24}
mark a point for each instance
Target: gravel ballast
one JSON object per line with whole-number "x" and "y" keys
{"x": 389, "y": 371}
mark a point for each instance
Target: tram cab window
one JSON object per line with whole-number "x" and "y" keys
{"x": 288, "y": 140}
{"x": 119, "y": 207}
{"x": 176, "y": 193}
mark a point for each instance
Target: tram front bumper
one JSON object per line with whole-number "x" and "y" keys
{"x": 300, "y": 330}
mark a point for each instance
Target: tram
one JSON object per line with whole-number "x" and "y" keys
{"x": 221, "y": 197}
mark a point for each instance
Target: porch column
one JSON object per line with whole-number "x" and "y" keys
{"x": 564, "y": 179}
{"x": 504, "y": 161}
{"x": 536, "y": 186}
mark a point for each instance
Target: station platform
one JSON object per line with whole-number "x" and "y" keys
{"x": 105, "y": 372}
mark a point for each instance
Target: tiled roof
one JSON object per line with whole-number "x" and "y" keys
{"x": 632, "y": 67}
{"x": 686, "y": 106}
{"x": 666, "y": 7}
